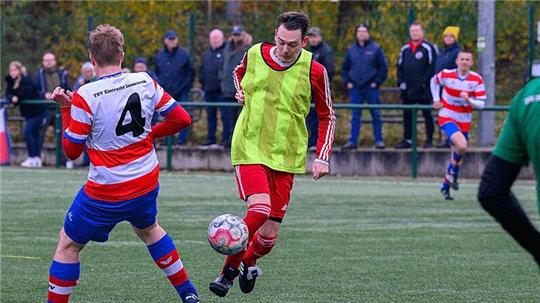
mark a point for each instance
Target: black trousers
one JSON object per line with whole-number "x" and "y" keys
{"x": 407, "y": 120}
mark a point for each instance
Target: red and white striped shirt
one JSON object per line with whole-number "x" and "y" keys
{"x": 456, "y": 109}
{"x": 113, "y": 117}
{"x": 321, "y": 95}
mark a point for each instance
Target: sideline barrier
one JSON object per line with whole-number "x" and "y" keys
{"x": 337, "y": 106}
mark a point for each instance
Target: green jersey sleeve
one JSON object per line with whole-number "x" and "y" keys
{"x": 510, "y": 145}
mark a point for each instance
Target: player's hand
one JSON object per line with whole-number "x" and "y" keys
{"x": 465, "y": 96}
{"x": 349, "y": 85}
{"x": 240, "y": 97}
{"x": 319, "y": 169}
{"x": 48, "y": 95}
{"x": 437, "y": 104}
{"x": 61, "y": 97}
{"x": 14, "y": 99}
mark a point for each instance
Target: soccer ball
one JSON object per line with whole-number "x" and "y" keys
{"x": 228, "y": 234}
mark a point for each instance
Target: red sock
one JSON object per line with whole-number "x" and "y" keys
{"x": 259, "y": 247}
{"x": 256, "y": 215}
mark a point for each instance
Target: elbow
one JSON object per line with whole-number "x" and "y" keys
{"x": 72, "y": 156}
{"x": 187, "y": 121}
{"x": 185, "y": 118}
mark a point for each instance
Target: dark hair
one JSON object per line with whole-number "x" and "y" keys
{"x": 466, "y": 51}
{"x": 361, "y": 25}
{"x": 293, "y": 21}
{"x": 417, "y": 23}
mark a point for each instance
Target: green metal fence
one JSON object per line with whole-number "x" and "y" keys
{"x": 338, "y": 106}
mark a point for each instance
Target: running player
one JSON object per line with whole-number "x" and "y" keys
{"x": 518, "y": 144}
{"x": 275, "y": 83}
{"x": 112, "y": 117}
{"x": 463, "y": 90}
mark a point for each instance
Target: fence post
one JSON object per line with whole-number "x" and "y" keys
{"x": 169, "y": 141}
{"x": 90, "y": 23}
{"x": 414, "y": 134}
{"x": 58, "y": 133}
{"x": 191, "y": 35}
{"x": 530, "y": 46}
{"x": 411, "y": 16}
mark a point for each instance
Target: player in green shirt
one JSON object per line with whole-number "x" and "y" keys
{"x": 518, "y": 144}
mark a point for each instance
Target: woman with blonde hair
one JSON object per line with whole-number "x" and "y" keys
{"x": 21, "y": 87}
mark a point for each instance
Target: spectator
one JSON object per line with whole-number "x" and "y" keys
{"x": 87, "y": 75}
{"x": 363, "y": 71}
{"x": 21, "y": 87}
{"x": 415, "y": 68}
{"x": 48, "y": 78}
{"x": 238, "y": 44}
{"x": 140, "y": 65}
{"x": 212, "y": 60}
{"x": 175, "y": 72}
{"x": 446, "y": 59}
{"x": 323, "y": 54}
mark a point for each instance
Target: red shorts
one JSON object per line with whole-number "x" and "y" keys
{"x": 260, "y": 179}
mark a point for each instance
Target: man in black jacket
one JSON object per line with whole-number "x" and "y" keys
{"x": 238, "y": 44}
{"x": 415, "y": 68}
{"x": 323, "y": 54}
{"x": 363, "y": 71}
{"x": 175, "y": 72}
{"x": 212, "y": 61}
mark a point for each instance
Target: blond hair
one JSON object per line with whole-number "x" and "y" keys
{"x": 19, "y": 66}
{"x": 106, "y": 44}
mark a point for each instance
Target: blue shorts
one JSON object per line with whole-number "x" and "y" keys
{"x": 89, "y": 219}
{"x": 450, "y": 128}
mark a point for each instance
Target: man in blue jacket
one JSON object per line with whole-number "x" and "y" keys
{"x": 175, "y": 72}
{"x": 363, "y": 71}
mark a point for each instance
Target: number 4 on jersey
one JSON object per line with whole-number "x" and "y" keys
{"x": 136, "y": 125}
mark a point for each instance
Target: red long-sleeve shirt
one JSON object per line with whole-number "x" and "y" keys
{"x": 321, "y": 96}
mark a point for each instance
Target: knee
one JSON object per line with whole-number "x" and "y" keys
{"x": 259, "y": 199}
{"x": 484, "y": 195}
{"x": 67, "y": 249}
{"x": 460, "y": 147}
{"x": 27, "y": 132}
{"x": 489, "y": 194}
{"x": 270, "y": 229}
{"x": 150, "y": 234}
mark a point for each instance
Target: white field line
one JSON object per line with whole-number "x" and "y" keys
{"x": 19, "y": 257}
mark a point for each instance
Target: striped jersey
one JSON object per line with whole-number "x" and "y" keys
{"x": 113, "y": 117}
{"x": 456, "y": 109}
